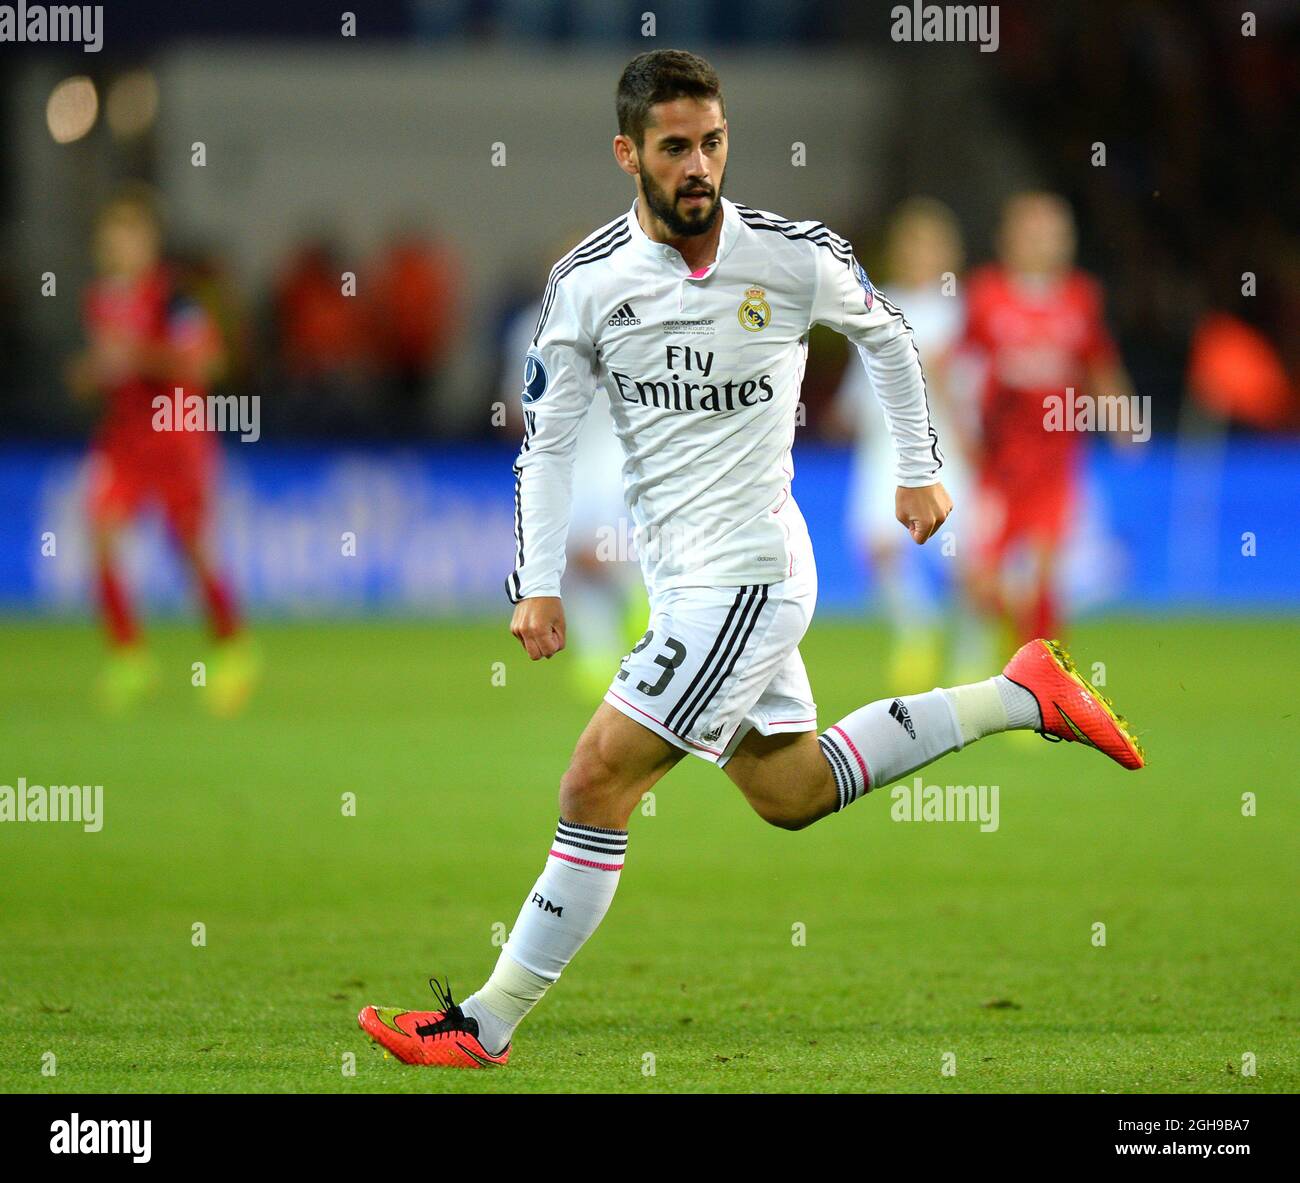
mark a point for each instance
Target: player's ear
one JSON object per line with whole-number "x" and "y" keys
{"x": 625, "y": 155}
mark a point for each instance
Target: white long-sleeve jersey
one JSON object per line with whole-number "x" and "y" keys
{"x": 702, "y": 371}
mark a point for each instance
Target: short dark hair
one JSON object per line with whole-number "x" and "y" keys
{"x": 660, "y": 76}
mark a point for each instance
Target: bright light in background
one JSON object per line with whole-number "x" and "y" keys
{"x": 71, "y": 110}
{"x": 132, "y": 104}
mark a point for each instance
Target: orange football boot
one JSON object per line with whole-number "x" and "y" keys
{"x": 445, "y": 1038}
{"x": 1072, "y": 709}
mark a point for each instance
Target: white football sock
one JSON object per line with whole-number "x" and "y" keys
{"x": 885, "y": 740}
{"x": 567, "y": 903}
{"x": 1021, "y": 706}
{"x": 502, "y": 1001}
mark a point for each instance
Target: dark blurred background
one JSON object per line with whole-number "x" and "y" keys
{"x": 441, "y": 153}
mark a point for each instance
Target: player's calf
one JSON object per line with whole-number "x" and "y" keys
{"x": 784, "y": 777}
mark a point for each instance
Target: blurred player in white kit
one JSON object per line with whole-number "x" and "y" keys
{"x": 924, "y": 260}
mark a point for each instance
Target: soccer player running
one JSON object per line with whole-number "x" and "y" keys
{"x": 146, "y": 338}
{"x": 691, "y": 314}
{"x": 1037, "y": 322}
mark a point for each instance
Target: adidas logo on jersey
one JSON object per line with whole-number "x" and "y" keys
{"x": 624, "y": 317}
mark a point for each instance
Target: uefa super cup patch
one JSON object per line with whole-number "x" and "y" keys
{"x": 535, "y": 378}
{"x": 860, "y": 275}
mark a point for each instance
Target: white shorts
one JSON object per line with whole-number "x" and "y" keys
{"x": 718, "y": 661}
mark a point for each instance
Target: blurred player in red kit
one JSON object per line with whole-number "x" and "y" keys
{"x": 146, "y": 339}
{"x": 1037, "y": 322}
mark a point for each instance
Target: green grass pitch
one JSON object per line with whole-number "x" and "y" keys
{"x": 921, "y": 939}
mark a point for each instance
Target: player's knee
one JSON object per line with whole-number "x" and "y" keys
{"x": 588, "y": 786}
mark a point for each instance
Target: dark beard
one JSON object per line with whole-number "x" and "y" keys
{"x": 665, "y": 209}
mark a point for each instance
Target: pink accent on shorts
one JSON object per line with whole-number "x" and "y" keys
{"x": 683, "y": 738}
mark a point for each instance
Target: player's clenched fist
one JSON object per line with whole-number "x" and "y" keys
{"x": 538, "y": 622}
{"x": 922, "y": 510}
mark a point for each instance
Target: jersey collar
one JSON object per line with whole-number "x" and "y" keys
{"x": 670, "y": 255}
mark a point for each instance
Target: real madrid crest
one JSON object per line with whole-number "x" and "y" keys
{"x": 754, "y": 312}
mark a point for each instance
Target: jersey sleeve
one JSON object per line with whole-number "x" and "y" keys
{"x": 853, "y": 397}
{"x": 559, "y": 383}
{"x": 845, "y": 301}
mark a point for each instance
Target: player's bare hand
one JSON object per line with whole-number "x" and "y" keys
{"x": 922, "y": 510}
{"x": 538, "y": 622}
